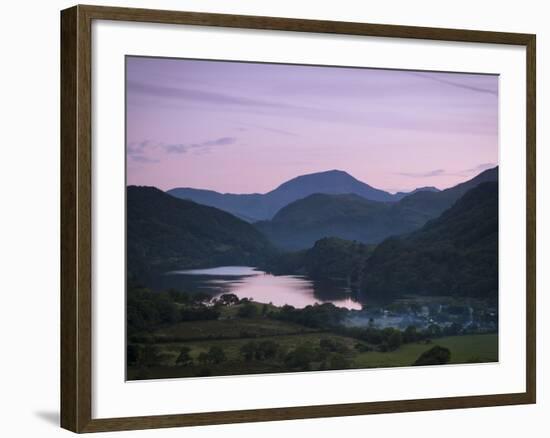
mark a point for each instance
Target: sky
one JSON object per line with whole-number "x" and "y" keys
{"x": 238, "y": 127}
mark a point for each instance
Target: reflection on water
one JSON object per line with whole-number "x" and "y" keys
{"x": 247, "y": 282}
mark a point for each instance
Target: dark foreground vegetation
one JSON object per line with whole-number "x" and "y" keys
{"x": 173, "y": 334}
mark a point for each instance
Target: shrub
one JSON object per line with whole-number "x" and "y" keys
{"x": 434, "y": 356}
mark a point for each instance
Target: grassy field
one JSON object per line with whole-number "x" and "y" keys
{"x": 232, "y": 334}
{"x": 464, "y": 349}
{"x": 228, "y": 328}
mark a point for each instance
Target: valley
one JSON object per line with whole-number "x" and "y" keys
{"x": 340, "y": 281}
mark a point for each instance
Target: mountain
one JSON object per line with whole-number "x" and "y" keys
{"x": 400, "y": 195}
{"x": 332, "y": 182}
{"x": 301, "y": 223}
{"x": 255, "y": 207}
{"x": 433, "y": 204}
{"x": 455, "y": 254}
{"x": 166, "y": 233}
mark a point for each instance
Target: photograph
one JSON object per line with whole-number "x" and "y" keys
{"x": 288, "y": 218}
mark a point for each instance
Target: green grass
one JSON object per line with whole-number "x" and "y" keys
{"x": 464, "y": 349}
{"x": 228, "y": 328}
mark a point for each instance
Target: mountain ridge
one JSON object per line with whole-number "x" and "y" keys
{"x": 301, "y": 223}
{"x": 165, "y": 233}
{"x": 454, "y": 254}
{"x": 256, "y": 206}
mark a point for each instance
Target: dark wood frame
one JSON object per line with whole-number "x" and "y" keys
{"x": 76, "y": 173}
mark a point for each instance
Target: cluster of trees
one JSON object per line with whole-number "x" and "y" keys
{"x": 328, "y": 354}
{"x": 321, "y": 316}
{"x": 149, "y": 355}
{"x": 330, "y": 258}
{"x": 389, "y": 338}
{"x": 264, "y": 350}
{"x": 146, "y": 310}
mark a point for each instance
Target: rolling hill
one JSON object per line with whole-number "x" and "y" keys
{"x": 165, "y": 233}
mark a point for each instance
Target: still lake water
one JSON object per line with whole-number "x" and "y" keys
{"x": 247, "y": 282}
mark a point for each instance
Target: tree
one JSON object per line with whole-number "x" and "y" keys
{"x": 434, "y": 356}
{"x": 216, "y": 354}
{"x": 150, "y": 355}
{"x": 178, "y": 296}
{"x": 201, "y": 297}
{"x": 410, "y": 334}
{"x": 453, "y": 329}
{"x": 395, "y": 340}
{"x": 338, "y": 362}
{"x": 203, "y": 358}
{"x": 228, "y": 299}
{"x": 248, "y": 350}
{"x": 362, "y": 348}
{"x": 333, "y": 345}
{"x": 184, "y": 357}
{"x": 300, "y": 357}
{"x": 268, "y": 349}
{"x": 247, "y": 310}
{"x": 434, "y": 331}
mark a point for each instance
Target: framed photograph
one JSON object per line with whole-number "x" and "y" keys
{"x": 270, "y": 218}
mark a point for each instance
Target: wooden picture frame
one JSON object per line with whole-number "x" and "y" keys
{"x": 76, "y": 217}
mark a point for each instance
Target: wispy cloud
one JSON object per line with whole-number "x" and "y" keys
{"x": 143, "y": 159}
{"x": 210, "y": 97}
{"x": 183, "y": 148}
{"x": 138, "y": 148}
{"x": 138, "y": 152}
{"x": 147, "y": 151}
{"x": 427, "y": 174}
{"x": 269, "y": 129}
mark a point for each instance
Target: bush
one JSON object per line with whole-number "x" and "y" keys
{"x": 247, "y": 310}
{"x": 333, "y": 345}
{"x": 216, "y": 355}
{"x": 337, "y": 361}
{"x": 300, "y": 358}
{"x": 434, "y": 356}
{"x": 184, "y": 357}
{"x": 362, "y": 348}
{"x": 248, "y": 350}
{"x": 260, "y": 351}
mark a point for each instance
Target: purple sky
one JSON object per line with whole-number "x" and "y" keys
{"x": 244, "y": 128}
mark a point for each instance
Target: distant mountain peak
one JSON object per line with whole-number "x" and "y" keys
{"x": 255, "y": 207}
{"x": 323, "y": 175}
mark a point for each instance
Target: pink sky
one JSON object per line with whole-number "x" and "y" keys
{"x": 246, "y": 127}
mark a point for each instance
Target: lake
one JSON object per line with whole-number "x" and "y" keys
{"x": 260, "y": 286}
